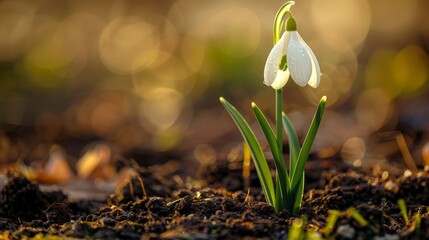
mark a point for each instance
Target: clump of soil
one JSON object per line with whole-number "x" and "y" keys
{"x": 22, "y": 200}
{"x": 153, "y": 206}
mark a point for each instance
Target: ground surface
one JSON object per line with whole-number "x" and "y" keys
{"x": 217, "y": 206}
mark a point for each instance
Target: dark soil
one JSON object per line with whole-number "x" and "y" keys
{"x": 218, "y": 206}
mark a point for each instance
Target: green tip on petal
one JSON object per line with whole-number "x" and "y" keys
{"x": 291, "y": 24}
{"x": 253, "y": 105}
{"x": 222, "y": 100}
{"x": 323, "y": 99}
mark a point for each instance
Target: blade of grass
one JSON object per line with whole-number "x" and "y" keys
{"x": 283, "y": 179}
{"x": 258, "y": 157}
{"x": 403, "y": 207}
{"x": 296, "y": 173}
{"x": 280, "y": 204}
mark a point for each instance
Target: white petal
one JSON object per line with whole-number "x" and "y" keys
{"x": 298, "y": 60}
{"x": 273, "y": 61}
{"x": 315, "y": 68}
{"x": 281, "y": 79}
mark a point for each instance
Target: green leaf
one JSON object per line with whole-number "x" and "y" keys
{"x": 293, "y": 151}
{"x": 298, "y": 192}
{"x": 296, "y": 173}
{"x": 280, "y": 205}
{"x": 258, "y": 157}
{"x": 293, "y": 141}
{"x": 283, "y": 178}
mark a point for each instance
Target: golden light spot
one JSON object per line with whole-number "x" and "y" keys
{"x": 205, "y": 154}
{"x": 410, "y": 69}
{"x": 233, "y": 154}
{"x": 385, "y": 175}
{"x": 164, "y": 140}
{"x": 398, "y": 73}
{"x": 170, "y": 37}
{"x": 353, "y": 149}
{"x": 378, "y": 72}
{"x": 350, "y": 22}
{"x": 44, "y": 55}
{"x": 357, "y": 163}
{"x": 79, "y": 35}
{"x": 128, "y": 45}
{"x": 192, "y": 53}
{"x": 61, "y": 49}
{"x": 236, "y": 31}
{"x": 94, "y": 161}
{"x": 177, "y": 75}
{"x": 391, "y": 186}
{"x": 161, "y": 108}
{"x": 407, "y": 173}
{"x": 173, "y": 74}
{"x": 373, "y": 109}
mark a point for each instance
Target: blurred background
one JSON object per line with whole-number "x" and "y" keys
{"x": 142, "y": 78}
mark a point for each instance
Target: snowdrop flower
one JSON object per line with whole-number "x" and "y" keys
{"x": 291, "y": 56}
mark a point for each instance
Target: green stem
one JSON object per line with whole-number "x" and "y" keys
{"x": 278, "y": 20}
{"x": 278, "y": 24}
{"x": 279, "y": 126}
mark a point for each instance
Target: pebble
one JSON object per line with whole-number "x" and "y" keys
{"x": 346, "y": 231}
{"x": 387, "y": 237}
{"x": 108, "y": 221}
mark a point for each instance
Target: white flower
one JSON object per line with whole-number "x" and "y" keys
{"x": 291, "y": 56}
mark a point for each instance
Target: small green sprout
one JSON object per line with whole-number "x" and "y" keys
{"x": 403, "y": 207}
{"x": 331, "y": 221}
{"x": 353, "y": 213}
{"x": 416, "y": 223}
{"x": 290, "y": 57}
{"x": 297, "y": 229}
{"x": 357, "y": 217}
{"x": 246, "y": 165}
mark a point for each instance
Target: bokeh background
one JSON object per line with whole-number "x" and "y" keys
{"x": 142, "y": 76}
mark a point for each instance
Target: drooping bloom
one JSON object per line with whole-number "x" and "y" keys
{"x": 291, "y": 56}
